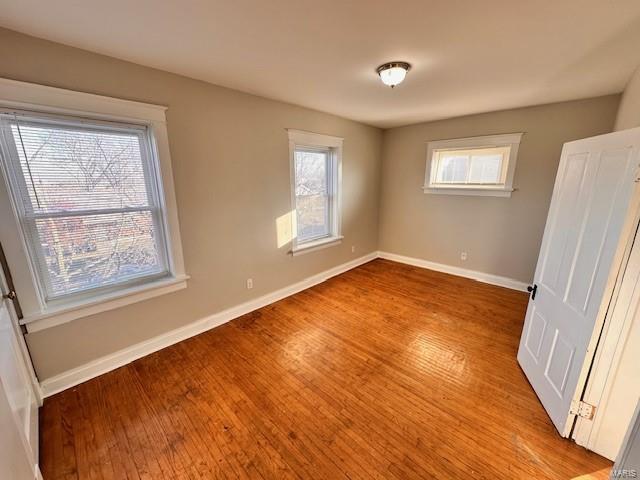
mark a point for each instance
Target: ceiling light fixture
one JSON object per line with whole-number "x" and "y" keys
{"x": 393, "y": 73}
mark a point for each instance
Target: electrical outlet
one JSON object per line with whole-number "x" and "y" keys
{"x": 249, "y": 283}
{"x": 463, "y": 256}
{"x": 353, "y": 249}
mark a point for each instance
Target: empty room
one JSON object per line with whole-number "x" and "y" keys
{"x": 299, "y": 239}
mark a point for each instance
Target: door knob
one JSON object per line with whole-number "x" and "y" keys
{"x": 532, "y": 289}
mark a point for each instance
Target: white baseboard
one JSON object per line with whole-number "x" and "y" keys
{"x": 122, "y": 357}
{"x": 461, "y": 272}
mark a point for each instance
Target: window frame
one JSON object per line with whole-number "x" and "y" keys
{"x": 58, "y": 104}
{"x": 26, "y": 219}
{"x": 299, "y": 139}
{"x": 511, "y": 140}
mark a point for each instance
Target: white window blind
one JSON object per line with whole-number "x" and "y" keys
{"x": 312, "y": 193}
{"x": 88, "y": 200}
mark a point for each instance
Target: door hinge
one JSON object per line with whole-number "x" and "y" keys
{"x": 582, "y": 409}
{"x": 11, "y": 295}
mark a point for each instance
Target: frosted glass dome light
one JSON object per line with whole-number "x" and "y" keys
{"x": 393, "y": 73}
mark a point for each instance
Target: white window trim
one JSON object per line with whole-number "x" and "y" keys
{"x": 315, "y": 245}
{"x": 488, "y": 141}
{"x": 102, "y": 303}
{"x": 300, "y": 138}
{"x": 50, "y": 100}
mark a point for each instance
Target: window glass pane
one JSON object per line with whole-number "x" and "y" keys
{"x": 83, "y": 252}
{"x": 79, "y": 169}
{"x": 452, "y": 168}
{"x": 312, "y": 194}
{"x": 485, "y": 168}
{"x": 469, "y": 167}
{"x": 85, "y": 194}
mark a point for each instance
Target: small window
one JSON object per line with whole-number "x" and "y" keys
{"x": 472, "y": 166}
{"x": 315, "y": 189}
{"x": 87, "y": 197}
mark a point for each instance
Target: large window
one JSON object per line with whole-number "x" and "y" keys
{"x": 87, "y": 208}
{"x": 87, "y": 198}
{"x": 315, "y": 189}
{"x": 472, "y": 166}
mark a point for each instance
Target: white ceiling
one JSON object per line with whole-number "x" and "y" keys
{"x": 468, "y": 56}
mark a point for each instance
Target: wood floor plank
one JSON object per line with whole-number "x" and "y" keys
{"x": 386, "y": 371}
{"x": 309, "y": 412}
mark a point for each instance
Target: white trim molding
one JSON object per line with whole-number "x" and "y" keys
{"x": 310, "y": 139}
{"x": 502, "y": 189}
{"x": 32, "y": 96}
{"x": 481, "y": 192}
{"x": 317, "y": 245}
{"x": 118, "y": 299}
{"x": 70, "y": 378}
{"x": 460, "y": 272}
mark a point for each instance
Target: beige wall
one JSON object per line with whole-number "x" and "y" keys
{"x": 501, "y": 235}
{"x": 629, "y": 112}
{"x": 231, "y": 168}
{"x": 230, "y": 162}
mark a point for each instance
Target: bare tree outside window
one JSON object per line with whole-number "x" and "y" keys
{"x": 312, "y": 194}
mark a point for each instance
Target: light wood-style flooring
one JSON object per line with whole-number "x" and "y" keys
{"x": 387, "y": 371}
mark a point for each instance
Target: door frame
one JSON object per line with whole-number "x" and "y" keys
{"x": 22, "y": 344}
{"x": 613, "y": 338}
{"x": 26, "y": 429}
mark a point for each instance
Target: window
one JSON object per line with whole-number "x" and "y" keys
{"x": 313, "y": 199}
{"x": 92, "y": 216}
{"x": 315, "y": 189}
{"x": 87, "y": 200}
{"x": 472, "y": 166}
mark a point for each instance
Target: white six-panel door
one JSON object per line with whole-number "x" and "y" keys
{"x": 594, "y": 186}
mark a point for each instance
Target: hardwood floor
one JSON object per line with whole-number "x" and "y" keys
{"x": 387, "y": 371}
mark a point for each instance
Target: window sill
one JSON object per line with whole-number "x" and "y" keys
{"x": 64, "y": 314}
{"x": 316, "y": 245}
{"x": 483, "y": 192}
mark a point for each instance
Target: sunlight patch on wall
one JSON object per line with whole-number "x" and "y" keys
{"x": 286, "y": 228}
